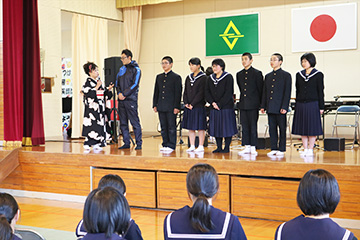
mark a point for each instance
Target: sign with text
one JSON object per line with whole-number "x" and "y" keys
{"x": 232, "y": 35}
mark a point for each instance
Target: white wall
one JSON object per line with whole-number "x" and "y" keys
{"x": 178, "y": 29}
{"x": 51, "y": 41}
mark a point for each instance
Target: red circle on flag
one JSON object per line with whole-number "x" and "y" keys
{"x": 323, "y": 28}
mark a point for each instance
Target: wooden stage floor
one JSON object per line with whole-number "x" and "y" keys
{"x": 256, "y": 187}
{"x": 151, "y": 146}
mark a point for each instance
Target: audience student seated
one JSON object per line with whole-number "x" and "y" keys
{"x": 6, "y": 232}
{"x": 133, "y": 232}
{"x": 106, "y": 215}
{"x": 9, "y": 209}
{"x": 318, "y": 196}
{"x": 202, "y": 220}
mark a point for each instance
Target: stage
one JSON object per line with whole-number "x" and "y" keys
{"x": 257, "y": 187}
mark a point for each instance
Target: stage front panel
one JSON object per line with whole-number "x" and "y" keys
{"x": 172, "y": 192}
{"x": 140, "y": 185}
{"x": 264, "y": 198}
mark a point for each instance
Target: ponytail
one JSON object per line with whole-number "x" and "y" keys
{"x": 202, "y": 182}
{"x": 5, "y": 229}
{"x": 200, "y": 217}
{"x": 196, "y": 61}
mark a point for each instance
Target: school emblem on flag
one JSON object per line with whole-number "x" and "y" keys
{"x": 331, "y": 27}
{"x": 232, "y": 35}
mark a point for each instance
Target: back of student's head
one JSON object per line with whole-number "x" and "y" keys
{"x": 106, "y": 211}
{"x": 202, "y": 182}
{"x": 318, "y": 193}
{"x": 5, "y": 229}
{"x": 8, "y": 206}
{"x": 112, "y": 180}
{"x": 168, "y": 58}
{"x": 209, "y": 71}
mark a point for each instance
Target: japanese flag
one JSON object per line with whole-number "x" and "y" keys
{"x": 331, "y": 27}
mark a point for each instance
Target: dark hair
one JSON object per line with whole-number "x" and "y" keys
{"x": 8, "y": 206}
{"x": 127, "y": 52}
{"x": 106, "y": 211}
{"x": 202, "y": 182}
{"x": 279, "y": 56}
{"x": 112, "y": 180}
{"x": 168, "y": 58}
{"x": 196, "y": 61}
{"x": 5, "y": 229}
{"x": 247, "y": 54}
{"x": 88, "y": 67}
{"x": 209, "y": 71}
{"x": 318, "y": 193}
{"x": 310, "y": 57}
{"x": 220, "y": 62}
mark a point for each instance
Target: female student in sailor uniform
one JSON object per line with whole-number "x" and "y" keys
{"x": 309, "y": 103}
{"x": 95, "y": 120}
{"x": 9, "y": 214}
{"x": 318, "y": 196}
{"x": 106, "y": 215}
{"x": 194, "y": 100}
{"x": 219, "y": 93}
{"x": 202, "y": 220}
{"x": 111, "y": 180}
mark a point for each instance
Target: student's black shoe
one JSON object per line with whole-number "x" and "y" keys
{"x": 225, "y": 150}
{"x": 217, "y": 150}
{"x": 138, "y": 147}
{"x": 124, "y": 147}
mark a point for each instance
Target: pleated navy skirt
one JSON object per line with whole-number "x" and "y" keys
{"x": 307, "y": 119}
{"x": 194, "y": 119}
{"x": 222, "y": 123}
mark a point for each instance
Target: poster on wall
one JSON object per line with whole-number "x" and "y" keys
{"x": 66, "y": 82}
{"x": 232, "y": 35}
{"x": 66, "y": 78}
{"x": 323, "y": 28}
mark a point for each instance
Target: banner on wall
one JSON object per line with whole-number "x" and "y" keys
{"x": 232, "y": 35}
{"x": 331, "y": 27}
{"x": 66, "y": 78}
{"x": 67, "y": 92}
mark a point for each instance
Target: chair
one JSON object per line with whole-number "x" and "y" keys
{"x": 348, "y": 109}
{"x": 28, "y": 234}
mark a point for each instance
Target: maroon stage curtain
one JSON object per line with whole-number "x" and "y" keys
{"x": 33, "y": 114}
{"x": 13, "y": 69}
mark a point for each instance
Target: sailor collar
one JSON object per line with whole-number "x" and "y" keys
{"x": 217, "y": 80}
{"x": 193, "y": 79}
{"x": 307, "y": 77}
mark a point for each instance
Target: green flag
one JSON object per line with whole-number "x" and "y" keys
{"x": 232, "y": 35}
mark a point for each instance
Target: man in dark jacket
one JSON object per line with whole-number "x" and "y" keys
{"x": 167, "y": 103}
{"x": 127, "y": 87}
